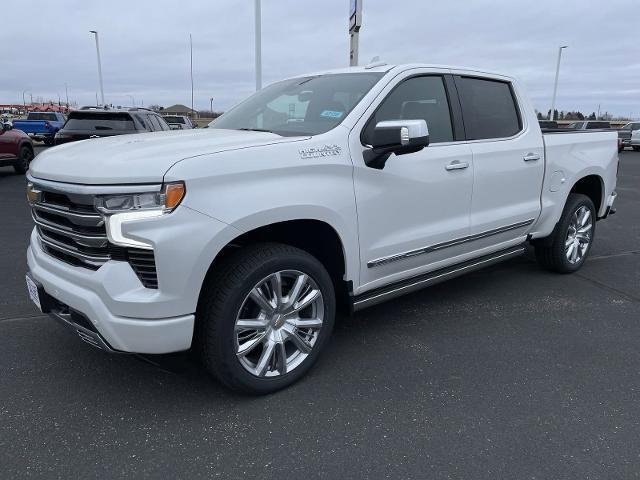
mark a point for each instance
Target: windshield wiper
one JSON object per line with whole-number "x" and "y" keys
{"x": 254, "y": 130}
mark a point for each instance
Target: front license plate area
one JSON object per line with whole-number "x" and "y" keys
{"x": 34, "y": 294}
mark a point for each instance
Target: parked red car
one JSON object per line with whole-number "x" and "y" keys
{"x": 16, "y": 149}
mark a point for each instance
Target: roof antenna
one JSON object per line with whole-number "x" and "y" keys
{"x": 375, "y": 62}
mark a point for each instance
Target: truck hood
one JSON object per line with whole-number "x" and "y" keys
{"x": 139, "y": 158}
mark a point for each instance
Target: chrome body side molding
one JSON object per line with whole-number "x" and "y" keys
{"x": 439, "y": 246}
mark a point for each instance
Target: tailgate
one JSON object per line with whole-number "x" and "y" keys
{"x": 31, "y": 126}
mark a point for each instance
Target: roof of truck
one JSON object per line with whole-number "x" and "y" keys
{"x": 382, "y": 67}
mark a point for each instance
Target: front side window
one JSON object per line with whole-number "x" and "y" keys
{"x": 300, "y": 106}
{"x": 489, "y": 108}
{"x": 418, "y": 98}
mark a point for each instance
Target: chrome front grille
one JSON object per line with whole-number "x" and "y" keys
{"x": 73, "y": 231}
{"x": 70, "y": 229}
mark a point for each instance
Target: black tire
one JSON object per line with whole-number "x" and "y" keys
{"x": 550, "y": 252}
{"x": 636, "y": 149}
{"x": 222, "y": 297}
{"x": 25, "y": 155}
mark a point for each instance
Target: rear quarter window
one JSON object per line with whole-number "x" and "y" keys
{"x": 489, "y": 108}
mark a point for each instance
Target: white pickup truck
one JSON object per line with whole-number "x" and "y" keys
{"x": 341, "y": 188}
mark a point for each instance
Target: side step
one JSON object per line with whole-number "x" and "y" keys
{"x": 388, "y": 292}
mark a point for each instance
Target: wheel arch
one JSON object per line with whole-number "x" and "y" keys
{"x": 592, "y": 186}
{"x": 317, "y": 237}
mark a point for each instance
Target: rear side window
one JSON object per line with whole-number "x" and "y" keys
{"x": 489, "y": 108}
{"x": 594, "y": 125}
{"x": 99, "y": 121}
{"x": 154, "y": 122}
{"x": 418, "y": 98}
{"x": 48, "y": 117}
{"x": 163, "y": 124}
{"x": 143, "y": 122}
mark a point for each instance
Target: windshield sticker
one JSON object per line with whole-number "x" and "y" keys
{"x": 331, "y": 114}
{"x": 326, "y": 151}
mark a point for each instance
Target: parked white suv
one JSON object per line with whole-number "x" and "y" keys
{"x": 346, "y": 187}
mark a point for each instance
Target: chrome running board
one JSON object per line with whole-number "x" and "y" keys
{"x": 388, "y": 292}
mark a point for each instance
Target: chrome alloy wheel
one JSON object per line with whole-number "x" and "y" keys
{"x": 578, "y": 235}
{"x": 278, "y": 323}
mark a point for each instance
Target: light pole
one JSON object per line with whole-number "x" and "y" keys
{"x": 211, "y": 107}
{"x": 23, "y": 99}
{"x": 95, "y": 33}
{"x": 191, "y": 53}
{"x": 133, "y": 100}
{"x": 66, "y": 92}
{"x": 258, "y": 34}
{"x": 355, "y": 23}
{"x": 555, "y": 85}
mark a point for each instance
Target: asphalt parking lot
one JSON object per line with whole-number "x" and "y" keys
{"x": 510, "y": 372}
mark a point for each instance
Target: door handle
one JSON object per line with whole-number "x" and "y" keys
{"x": 531, "y": 157}
{"x": 457, "y": 165}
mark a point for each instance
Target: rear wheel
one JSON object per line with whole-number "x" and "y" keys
{"x": 264, "y": 317}
{"x": 572, "y": 238}
{"x": 636, "y": 149}
{"x": 25, "y": 155}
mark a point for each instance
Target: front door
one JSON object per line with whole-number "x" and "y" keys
{"x": 419, "y": 202}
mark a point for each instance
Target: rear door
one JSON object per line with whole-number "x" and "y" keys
{"x": 508, "y": 160}
{"x": 7, "y": 144}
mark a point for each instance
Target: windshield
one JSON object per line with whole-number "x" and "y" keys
{"x": 174, "y": 119}
{"x": 300, "y": 106}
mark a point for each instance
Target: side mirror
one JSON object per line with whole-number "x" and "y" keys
{"x": 396, "y": 136}
{"x": 6, "y": 126}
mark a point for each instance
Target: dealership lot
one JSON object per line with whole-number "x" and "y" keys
{"x": 508, "y": 372}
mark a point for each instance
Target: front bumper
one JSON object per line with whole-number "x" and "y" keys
{"x": 125, "y": 314}
{"x": 124, "y": 334}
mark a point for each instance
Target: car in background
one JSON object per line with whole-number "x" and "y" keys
{"x": 7, "y": 118}
{"x": 178, "y": 122}
{"x": 16, "y": 148}
{"x": 589, "y": 125}
{"x": 41, "y": 126}
{"x": 625, "y": 133}
{"x": 635, "y": 140}
{"x": 548, "y": 123}
{"x": 96, "y": 122}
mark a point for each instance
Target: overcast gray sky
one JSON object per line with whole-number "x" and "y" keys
{"x": 145, "y": 46}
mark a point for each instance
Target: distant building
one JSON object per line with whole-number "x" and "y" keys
{"x": 180, "y": 110}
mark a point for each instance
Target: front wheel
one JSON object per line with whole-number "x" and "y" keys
{"x": 25, "y": 155}
{"x": 264, "y": 316}
{"x": 636, "y": 148}
{"x": 572, "y": 238}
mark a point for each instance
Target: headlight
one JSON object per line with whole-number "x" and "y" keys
{"x": 164, "y": 201}
{"x": 119, "y": 209}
